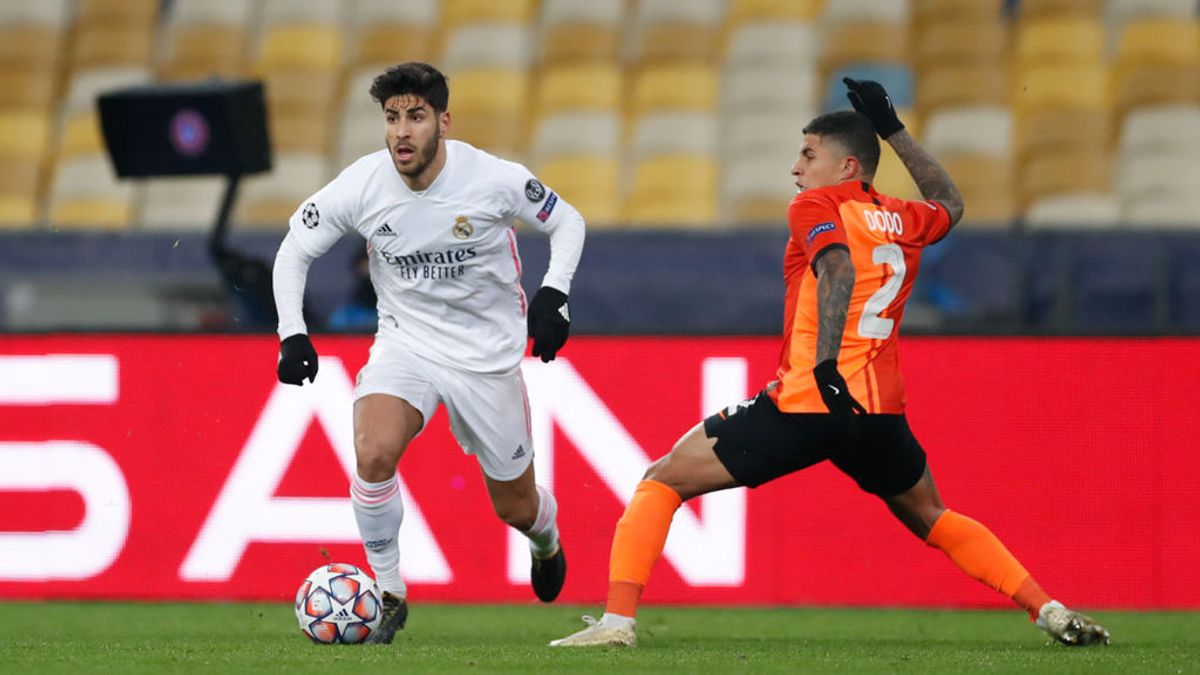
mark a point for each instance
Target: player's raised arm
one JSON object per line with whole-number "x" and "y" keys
{"x": 871, "y": 99}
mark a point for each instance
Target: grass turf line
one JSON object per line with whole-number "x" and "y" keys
{"x": 61, "y": 637}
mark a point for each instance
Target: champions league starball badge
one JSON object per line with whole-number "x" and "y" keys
{"x": 310, "y": 216}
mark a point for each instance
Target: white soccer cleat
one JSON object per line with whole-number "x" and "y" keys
{"x": 600, "y": 633}
{"x": 1070, "y": 627}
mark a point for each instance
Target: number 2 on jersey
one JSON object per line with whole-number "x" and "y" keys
{"x": 870, "y": 324}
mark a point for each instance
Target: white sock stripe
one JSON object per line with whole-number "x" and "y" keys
{"x": 374, "y": 493}
{"x": 547, "y": 510}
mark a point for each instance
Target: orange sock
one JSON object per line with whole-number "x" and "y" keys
{"x": 980, "y": 554}
{"x": 637, "y": 544}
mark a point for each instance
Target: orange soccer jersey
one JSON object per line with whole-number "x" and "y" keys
{"x": 885, "y": 237}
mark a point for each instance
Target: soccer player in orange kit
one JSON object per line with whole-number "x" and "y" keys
{"x": 850, "y": 263}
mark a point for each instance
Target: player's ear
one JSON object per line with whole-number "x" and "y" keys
{"x": 445, "y": 120}
{"x": 851, "y": 168}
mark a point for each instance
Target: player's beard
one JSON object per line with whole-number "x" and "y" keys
{"x": 423, "y": 156}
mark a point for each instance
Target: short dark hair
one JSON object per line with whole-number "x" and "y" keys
{"x": 416, "y": 78}
{"x": 853, "y": 132}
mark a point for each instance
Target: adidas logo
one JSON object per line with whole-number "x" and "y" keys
{"x": 385, "y": 230}
{"x": 342, "y": 615}
{"x": 519, "y": 453}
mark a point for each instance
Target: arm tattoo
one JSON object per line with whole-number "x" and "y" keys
{"x": 930, "y": 177}
{"x": 835, "y": 283}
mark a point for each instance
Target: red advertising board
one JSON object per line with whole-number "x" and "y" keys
{"x": 177, "y": 467}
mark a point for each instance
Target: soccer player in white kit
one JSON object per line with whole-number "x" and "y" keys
{"x": 453, "y": 321}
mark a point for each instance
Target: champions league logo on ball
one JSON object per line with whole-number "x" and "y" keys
{"x": 189, "y": 133}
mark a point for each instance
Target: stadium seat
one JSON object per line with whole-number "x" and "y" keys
{"x": 1163, "y": 175}
{"x": 1118, "y": 12}
{"x": 457, "y": 12}
{"x": 591, "y": 183}
{"x": 1077, "y": 87}
{"x": 580, "y": 86}
{"x": 490, "y": 45}
{"x": 673, "y": 191}
{"x": 1172, "y": 129}
{"x": 1140, "y": 87}
{"x": 127, "y": 12}
{"x": 742, "y": 11}
{"x": 20, "y": 180}
{"x": 970, "y": 130}
{"x": 864, "y": 42}
{"x": 687, "y": 86}
{"x": 1062, "y": 130}
{"x": 32, "y": 48}
{"x": 490, "y": 108}
{"x": 1159, "y": 42}
{"x": 1057, "y": 174}
{"x": 684, "y": 132}
{"x": 307, "y": 48}
{"x": 378, "y": 23}
{"x": 188, "y": 203}
{"x": 1074, "y": 211}
{"x": 199, "y": 52}
{"x": 25, "y": 90}
{"x": 764, "y": 134}
{"x": 81, "y": 135}
{"x": 278, "y": 13}
{"x": 757, "y": 190}
{"x": 1062, "y": 41}
{"x": 986, "y": 183}
{"x": 86, "y": 85}
{"x": 773, "y": 44}
{"x": 1038, "y": 9}
{"x": 578, "y": 133}
{"x": 581, "y": 30}
{"x": 24, "y": 134}
{"x": 934, "y": 11}
{"x": 957, "y": 86}
{"x": 892, "y": 178}
{"x": 214, "y": 13}
{"x": 269, "y": 200}
{"x": 961, "y": 43}
{"x": 664, "y": 30}
{"x": 300, "y": 131}
{"x": 55, "y": 14}
{"x": 778, "y": 88}
{"x": 1162, "y": 213}
{"x": 86, "y": 194}
{"x": 895, "y": 12}
{"x": 112, "y": 45}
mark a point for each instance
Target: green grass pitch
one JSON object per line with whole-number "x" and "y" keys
{"x": 61, "y": 637}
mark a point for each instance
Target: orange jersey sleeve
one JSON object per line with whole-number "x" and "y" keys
{"x": 885, "y": 237}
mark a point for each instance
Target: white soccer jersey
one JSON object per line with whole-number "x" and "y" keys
{"x": 444, "y": 261}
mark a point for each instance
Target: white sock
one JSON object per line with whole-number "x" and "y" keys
{"x": 543, "y": 536}
{"x": 616, "y": 620}
{"x": 378, "y": 510}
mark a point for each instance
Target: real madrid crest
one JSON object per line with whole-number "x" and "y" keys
{"x": 462, "y": 227}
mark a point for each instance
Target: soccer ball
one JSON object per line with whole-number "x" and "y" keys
{"x": 338, "y": 604}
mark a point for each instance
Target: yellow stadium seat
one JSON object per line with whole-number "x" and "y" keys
{"x": 954, "y": 43}
{"x": 1159, "y": 42}
{"x": 1033, "y": 9}
{"x": 937, "y": 11}
{"x": 673, "y": 191}
{"x": 203, "y": 51}
{"x": 112, "y": 45}
{"x": 299, "y": 132}
{"x": 1060, "y": 41}
{"x": 986, "y": 184}
{"x": 310, "y": 47}
{"x": 1155, "y": 85}
{"x": 86, "y": 194}
{"x": 891, "y": 178}
{"x": 269, "y": 200}
{"x": 91, "y": 213}
{"x": 24, "y": 134}
{"x": 687, "y": 85}
{"x": 127, "y": 12}
{"x": 1083, "y": 86}
{"x": 299, "y": 93}
{"x": 81, "y": 135}
{"x": 741, "y": 11}
{"x": 1059, "y": 174}
{"x": 955, "y": 86}
{"x": 380, "y": 44}
{"x": 574, "y": 42}
{"x": 32, "y": 48}
{"x": 181, "y": 203}
{"x": 489, "y": 90}
{"x": 1050, "y": 130}
{"x": 18, "y": 176}
{"x": 456, "y": 12}
{"x": 864, "y": 42}
{"x": 678, "y": 42}
{"x": 18, "y": 211}
{"x": 587, "y": 132}
{"x": 590, "y": 183}
{"x": 587, "y": 86}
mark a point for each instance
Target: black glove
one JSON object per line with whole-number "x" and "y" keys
{"x": 549, "y": 322}
{"x": 297, "y": 360}
{"x": 836, "y": 394}
{"x": 871, "y": 100}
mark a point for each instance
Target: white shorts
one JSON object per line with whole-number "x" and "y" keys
{"x": 489, "y": 413}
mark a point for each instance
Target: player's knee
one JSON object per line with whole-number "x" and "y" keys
{"x": 517, "y": 514}
{"x": 377, "y": 456}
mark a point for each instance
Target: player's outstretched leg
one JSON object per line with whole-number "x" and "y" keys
{"x": 607, "y": 631}
{"x": 547, "y": 575}
{"x": 395, "y": 615}
{"x": 1070, "y": 627}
